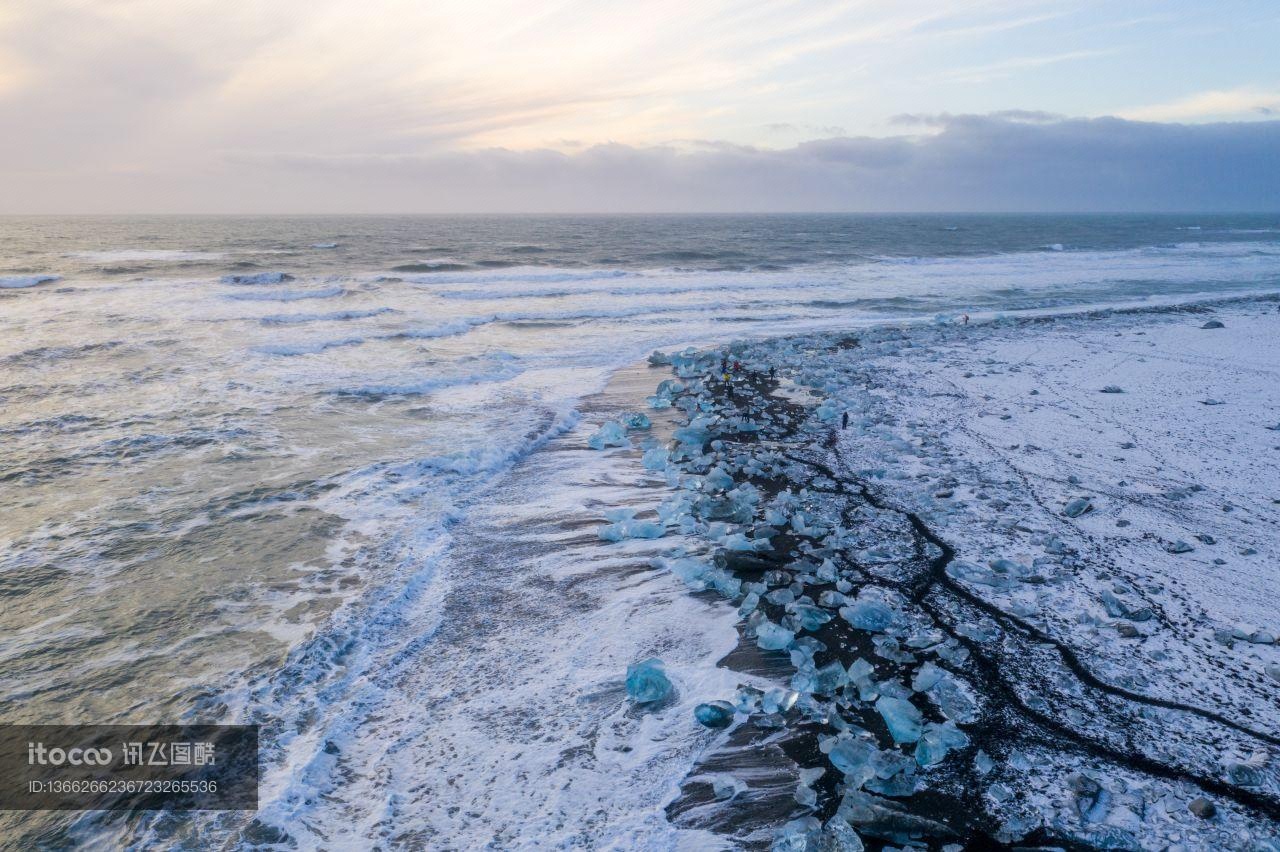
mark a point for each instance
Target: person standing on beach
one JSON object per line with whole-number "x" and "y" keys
{"x": 844, "y": 421}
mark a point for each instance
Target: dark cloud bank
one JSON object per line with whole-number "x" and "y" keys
{"x": 1005, "y": 162}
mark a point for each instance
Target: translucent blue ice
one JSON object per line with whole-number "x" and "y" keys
{"x": 901, "y": 717}
{"x": 611, "y": 434}
{"x": 773, "y": 637}
{"x": 647, "y": 681}
{"x": 716, "y": 714}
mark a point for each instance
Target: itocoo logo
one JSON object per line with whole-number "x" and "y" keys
{"x": 37, "y": 754}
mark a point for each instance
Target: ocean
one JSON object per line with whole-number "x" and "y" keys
{"x": 316, "y": 472}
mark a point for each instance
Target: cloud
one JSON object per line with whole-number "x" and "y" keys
{"x": 972, "y": 163}
{"x": 1223, "y": 103}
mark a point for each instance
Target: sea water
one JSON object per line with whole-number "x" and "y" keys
{"x": 331, "y": 475}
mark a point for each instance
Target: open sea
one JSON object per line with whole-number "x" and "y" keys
{"x": 327, "y": 474}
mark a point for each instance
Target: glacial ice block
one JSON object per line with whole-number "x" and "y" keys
{"x": 715, "y": 714}
{"x": 611, "y": 434}
{"x": 901, "y": 717}
{"x": 647, "y": 681}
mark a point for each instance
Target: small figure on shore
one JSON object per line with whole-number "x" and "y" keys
{"x": 844, "y": 421}
{"x": 737, "y": 366}
{"x": 773, "y": 373}
{"x": 965, "y": 319}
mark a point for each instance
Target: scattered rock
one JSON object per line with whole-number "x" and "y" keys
{"x": 1205, "y": 538}
{"x": 1212, "y": 402}
{"x": 1213, "y": 324}
{"x": 1127, "y": 630}
{"x": 1112, "y": 389}
{"x": 1202, "y": 807}
{"x": 1178, "y": 546}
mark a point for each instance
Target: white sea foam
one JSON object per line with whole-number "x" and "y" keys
{"x": 257, "y": 278}
{"x": 145, "y": 255}
{"x": 332, "y": 316}
{"x": 307, "y": 348}
{"x": 286, "y": 295}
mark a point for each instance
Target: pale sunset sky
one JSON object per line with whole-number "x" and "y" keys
{"x": 566, "y": 105}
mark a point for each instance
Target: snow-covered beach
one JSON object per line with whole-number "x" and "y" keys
{"x": 1039, "y": 559}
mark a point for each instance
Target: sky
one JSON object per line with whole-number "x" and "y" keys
{"x": 332, "y": 106}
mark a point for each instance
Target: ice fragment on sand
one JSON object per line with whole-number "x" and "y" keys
{"x": 725, "y": 787}
{"x": 779, "y": 700}
{"x": 937, "y": 741}
{"x": 799, "y": 835}
{"x": 1077, "y": 507}
{"x": 868, "y": 613}
{"x": 659, "y": 359}
{"x": 1112, "y": 389}
{"x": 611, "y": 434}
{"x": 717, "y": 480}
{"x": 1178, "y": 546}
{"x": 647, "y": 681}
{"x": 636, "y": 420}
{"x": 1213, "y": 324}
{"x": 901, "y": 717}
{"x": 655, "y": 459}
{"x": 716, "y": 714}
{"x": 773, "y": 637}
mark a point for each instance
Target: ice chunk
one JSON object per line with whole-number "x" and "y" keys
{"x": 725, "y": 787}
{"x": 799, "y": 835}
{"x": 1077, "y": 507}
{"x": 868, "y": 613}
{"x": 853, "y": 757}
{"x": 717, "y": 480}
{"x": 631, "y": 528}
{"x": 655, "y": 459}
{"x": 647, "y": 681}
{"x": 773, "y": 637}
{"x": 779, "y": 700}
{"x": 637, "y": 420}
{"x": 901, "y": 717}
{"x": 716, "y": 714}
{"x": 696, "y": 434}
{"x": 611, "y": 434}
{"x": 810, "y": 617}
{"x": 659, "y": 359}
{"x": 938, "y": 739}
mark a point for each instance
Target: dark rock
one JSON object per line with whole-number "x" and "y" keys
{"x": 1202, "y": 807}
{"x": 1213, "y": 324}
{"x": 1127, "y": 630}
{"x": 1112, "y": 389}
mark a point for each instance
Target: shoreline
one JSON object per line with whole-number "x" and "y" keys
{"x": 1084, "y": 724}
